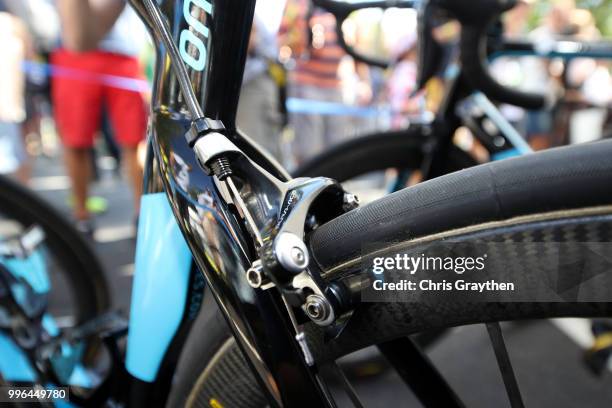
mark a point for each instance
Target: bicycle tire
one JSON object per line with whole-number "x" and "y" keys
{"x": 83, "y": 271}
{"x": 506, "y": 198}
{"x": 401, "y": 149}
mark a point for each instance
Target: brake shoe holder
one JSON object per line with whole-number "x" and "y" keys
{"x": 278, "y": 214}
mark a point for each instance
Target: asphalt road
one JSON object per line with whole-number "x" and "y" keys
{"x": 546, "y": 355}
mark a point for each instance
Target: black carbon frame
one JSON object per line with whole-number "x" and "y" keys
{"x": 220, "y": 247}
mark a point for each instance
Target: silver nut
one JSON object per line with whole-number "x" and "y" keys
{"x": 256, "y": 276}
{"x": 319, "y": 310}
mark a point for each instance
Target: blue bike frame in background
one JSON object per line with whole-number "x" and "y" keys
{"x": 159, "y": 292}
{"x": 159, "y": 297}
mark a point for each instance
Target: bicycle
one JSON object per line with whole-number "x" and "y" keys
{"x": 413, "y": 148}
{"x": 281, "y": 257}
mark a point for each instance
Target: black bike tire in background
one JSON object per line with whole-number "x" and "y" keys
{"x": 401, "y": 149}
{"x": 83, "y": 271}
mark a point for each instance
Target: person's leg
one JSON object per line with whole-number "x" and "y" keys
{"x": 78, "y": 166}
{"x": 258, "y": 113}
{"x": 308, "y": 128}
{"x": 336, "y": 128}
{"x": 539, "y": 127}
{"x": 133, "y": 169}
{"x": 109, "y": 139}
{"x": 12, "y": 151}
{"x": 77, "y": 107}
{"x": 127, "y": 112}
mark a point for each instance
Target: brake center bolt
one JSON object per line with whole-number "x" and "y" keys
{"x": 291, "y": 252}
{"x": 298, "y": 256}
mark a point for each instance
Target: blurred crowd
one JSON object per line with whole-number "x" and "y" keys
{"x": 71, "y": 80}
{"x": 582, "y": 86}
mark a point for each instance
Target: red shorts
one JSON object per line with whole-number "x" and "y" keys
{"x": 85, "y": 83}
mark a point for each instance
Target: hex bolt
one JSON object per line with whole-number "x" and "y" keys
{"x": 350, "y": 202}
{"x": 315, "y": 310}
{"x": 318, "y": 310}
{"x": 256, "y": 276}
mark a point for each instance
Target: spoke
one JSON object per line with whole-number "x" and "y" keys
{"x": 503, "y": 361}
{"x": 348, "y": 387}
{"x": 418, "y": 372}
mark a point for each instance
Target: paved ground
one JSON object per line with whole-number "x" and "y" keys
{"x": 547, "y": 359}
